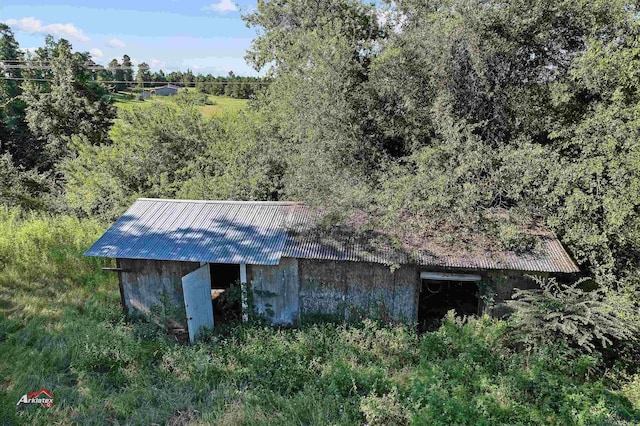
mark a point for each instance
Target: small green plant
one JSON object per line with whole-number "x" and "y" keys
{"x": 487, "y": 294}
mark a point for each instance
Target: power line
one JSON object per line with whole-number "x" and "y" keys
{"x": 145, "y": 82}
{"x": 42, "y": 64}
{"x": 48, "y": 67}
{"x": 30, "y": 65}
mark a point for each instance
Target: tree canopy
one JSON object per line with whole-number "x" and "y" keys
{"x": 441, "y": 115}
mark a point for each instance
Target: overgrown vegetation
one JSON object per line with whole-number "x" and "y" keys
{"x": 62, "y": 328}
{"x": 445, "y": 120}
{"x": 583, "y": 318}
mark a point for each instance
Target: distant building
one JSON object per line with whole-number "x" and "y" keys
{"x": 167, "y": 90}
{"x": 187, "y": 253}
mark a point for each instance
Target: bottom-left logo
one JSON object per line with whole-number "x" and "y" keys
{"x": 42, "y": 396}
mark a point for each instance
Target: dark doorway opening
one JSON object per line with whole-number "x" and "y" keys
{"x": 437, "y": 297}
{"x": 225, "y": 293}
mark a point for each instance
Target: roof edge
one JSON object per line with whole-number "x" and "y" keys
{"x": 261, "y": 203}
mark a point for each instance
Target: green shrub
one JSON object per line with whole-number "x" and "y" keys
{"x": 569, "y": 313}
{"x": 385, "y": 410}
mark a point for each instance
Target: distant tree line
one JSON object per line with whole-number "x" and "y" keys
{"x": 231, "y": 85}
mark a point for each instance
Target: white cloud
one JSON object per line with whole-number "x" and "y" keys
{"x": 115, "y": 42}
{"x": 223, "y": 6}
{"x": 96, "y": 53}
{"x": 157, "y": 63}
{"x": 34, "y": 26}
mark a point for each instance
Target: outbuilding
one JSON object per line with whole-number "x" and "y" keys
{"x": 180, "y": 256}
{"x": 166, "y": 90}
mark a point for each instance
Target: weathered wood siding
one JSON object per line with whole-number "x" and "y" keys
{"x": 357, "y": 289}
{"x": 276, "y": 290}
{"x": 306, "y": 289}
{"x": 503, "y": 285}
{"x": 145, "y": 283}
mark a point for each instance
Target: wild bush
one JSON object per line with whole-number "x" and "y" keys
{"x": 587, "y": 319}
{"x": 470, "y": 373}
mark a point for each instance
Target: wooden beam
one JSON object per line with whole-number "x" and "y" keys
{"x": 121, "y": 288}
{"x": 441, "y": 276}
{"x": 243, "y": 287}
{"x": 115, "y": 270}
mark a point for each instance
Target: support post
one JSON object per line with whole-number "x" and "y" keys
{"x": 243, "y": 287}
{"x": 121, "y": 286}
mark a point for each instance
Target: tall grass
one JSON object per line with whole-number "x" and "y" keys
{"x": 61, "y": 328}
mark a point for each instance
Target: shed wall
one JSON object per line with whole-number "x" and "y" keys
{"x": 348, "y": 290}
{"x": 146, "y": 282}
{"x": 307, "y": 288}
{"x": 276, "y": 290}
{"x": 503, "y": 285}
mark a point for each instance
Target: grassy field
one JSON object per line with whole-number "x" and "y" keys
{"x": 61, "y": 328}
{"x": 217, "y": 104}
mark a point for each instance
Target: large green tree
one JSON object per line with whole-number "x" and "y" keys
{"x": 15, "y": 137}
{"x": 68, "y": 105}
{"x": 117, "y": 74}
{"x": 171, "y": 151}
{"x": 143, "y": 75}
{"x": 320, "y": 54}
{"x": 127, "y": 72}
{"x": 447, "y": 114}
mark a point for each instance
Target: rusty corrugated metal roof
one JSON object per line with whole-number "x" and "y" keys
{"x": 307, "y": 241}
{"x": 263, "y": 232}
{"x": 331, "y": 245}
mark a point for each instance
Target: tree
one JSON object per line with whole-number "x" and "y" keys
{"x": 143, "y": 74}
{"x": 117, "y": 73}
{"x": 158, "y": 76}
{"x": 320, "y": 53}
{"x": 15, "y": 137}
{"x": 595, "y": 198}
{"x": 71, "y": 106}
{"x": 588, "y": 319}
{"x": 462, "y": 115}
{"x": 167, "y": 150}
{"x": 24, "y": 188}
{"x": 151, "y": 148}
{"x": 187, "y": 78}
{"x": 127, "y": 66}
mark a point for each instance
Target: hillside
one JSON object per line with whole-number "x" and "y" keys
{"x": 215, "y": 105}
{"x": 61, "y": 328}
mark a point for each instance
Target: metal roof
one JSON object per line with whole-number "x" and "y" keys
{"x": 306, "y": 241}
{"x": 261, "y": 233}
{"x": 198, "y": 231}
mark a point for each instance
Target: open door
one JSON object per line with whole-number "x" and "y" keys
{"x": 442, "y": 292}
{"x": 196, "y": 287}
{"x": 223, "y": 276}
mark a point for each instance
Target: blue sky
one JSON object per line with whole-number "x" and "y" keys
{"x": 206, "y": 36}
